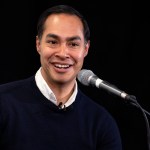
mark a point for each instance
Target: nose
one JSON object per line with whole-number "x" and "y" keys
{"x": 62, "y": 52}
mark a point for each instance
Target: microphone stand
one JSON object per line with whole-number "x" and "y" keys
{"x": 87, "y": 77}
{"x": 133, "y": 101}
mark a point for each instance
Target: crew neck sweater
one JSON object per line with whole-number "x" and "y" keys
{"x": 29, "y": 121}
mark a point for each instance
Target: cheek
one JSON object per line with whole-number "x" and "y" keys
{"x": 45, "y": 52}
{"x": 80, "y": 56}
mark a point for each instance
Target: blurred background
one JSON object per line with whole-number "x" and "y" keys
{"x": 119, "y": 54}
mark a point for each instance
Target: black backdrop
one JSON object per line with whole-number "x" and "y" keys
{"x": 119, "y": 54}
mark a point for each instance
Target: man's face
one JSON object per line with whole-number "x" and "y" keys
{"x": 62, "y": 48}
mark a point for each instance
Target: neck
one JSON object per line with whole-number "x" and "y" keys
{"x": 63, "y": 92}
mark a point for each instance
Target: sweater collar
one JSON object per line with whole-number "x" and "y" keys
{"x": 48, "y": 93}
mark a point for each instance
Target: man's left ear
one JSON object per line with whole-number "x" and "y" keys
{"x": 87, "y": 48}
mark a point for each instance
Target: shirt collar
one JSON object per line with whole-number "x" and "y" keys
{"x": 48, "y": 93}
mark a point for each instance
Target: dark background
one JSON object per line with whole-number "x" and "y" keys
{"x": 119, "y": 54}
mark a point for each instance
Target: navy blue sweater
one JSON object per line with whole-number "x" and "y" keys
{"x": 28, "y": 121}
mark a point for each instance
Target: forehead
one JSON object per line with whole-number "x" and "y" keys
{"x": 63, "y": 24}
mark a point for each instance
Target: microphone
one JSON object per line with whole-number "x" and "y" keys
{"x": 87, "y": 77}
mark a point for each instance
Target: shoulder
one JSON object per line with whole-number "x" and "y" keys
{"x": 98, "y": 117}
{"x": 88, "y": 100}
{"x": 92, "y": 106}
{"x": 98, "y": 114}
{"x": 94, "y": 110}
{"x": 15, "y": 84}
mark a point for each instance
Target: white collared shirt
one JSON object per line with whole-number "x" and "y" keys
{"x": 47, "y": 92}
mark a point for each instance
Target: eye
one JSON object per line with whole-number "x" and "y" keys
{"x": 74, "y": 44}
{"x": 52, "y": 43}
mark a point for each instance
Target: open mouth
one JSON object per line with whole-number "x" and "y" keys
{"x": 62, "y": 66}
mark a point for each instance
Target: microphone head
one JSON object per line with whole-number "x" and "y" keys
{"x": 84, "y": 75}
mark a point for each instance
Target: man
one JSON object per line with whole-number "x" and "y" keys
{"x": 48, "y": 111}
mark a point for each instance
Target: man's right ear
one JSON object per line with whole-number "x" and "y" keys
{"x": 38, "y": 44}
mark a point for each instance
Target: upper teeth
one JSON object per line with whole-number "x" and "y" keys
{"x": 61, "y": 66}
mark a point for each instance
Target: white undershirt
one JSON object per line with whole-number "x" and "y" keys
{"x": 47, "y": 92}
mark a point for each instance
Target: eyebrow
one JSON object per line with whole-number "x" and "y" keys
{"x": 57, "y": 37}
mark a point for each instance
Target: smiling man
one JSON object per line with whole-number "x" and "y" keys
{"x": 62, "y": 49}
{"x": 48, "y": 111}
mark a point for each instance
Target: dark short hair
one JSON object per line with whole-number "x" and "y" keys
{"x": 58, "y": 10}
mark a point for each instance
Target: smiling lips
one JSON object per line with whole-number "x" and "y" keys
{"x": 62, "y": 66}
